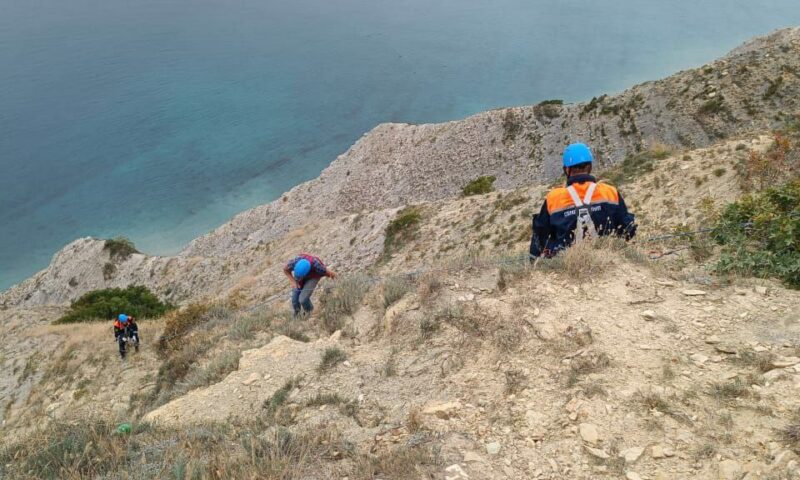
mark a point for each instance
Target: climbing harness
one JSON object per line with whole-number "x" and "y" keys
{"x": 585, "y": 227}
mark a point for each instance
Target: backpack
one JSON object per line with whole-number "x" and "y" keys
{"x": 585, "y": 227}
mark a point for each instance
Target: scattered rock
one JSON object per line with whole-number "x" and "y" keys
{"x": 648, "y": 315}
{"x": 693, "y": 293}
{"x": 455, "y": 472}
{"x": 472, "y": 457}
{"x": 443, "y": 410}
{"x": 712, "y": 339}
{"x": 493, "y": 448}
{"x": 253, "y": 378}
{"x": 729, "y": 349}
{"x": 631, "y": 454}
{"x": 730, "y": 470}
{"x": 657, "y": 451}
{"x": 632, "y": 476}
{"x": 783, "y": 362}
{"x": 588, "y": 433}
{"x": 760, "y": 289}
{"x": 597, "y": 452}
{"x": 698, "y": 358}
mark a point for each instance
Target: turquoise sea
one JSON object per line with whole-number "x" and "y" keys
{"x": 160, "y": 119}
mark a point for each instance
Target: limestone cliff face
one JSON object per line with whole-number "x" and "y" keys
{"x": 342, "y": 214}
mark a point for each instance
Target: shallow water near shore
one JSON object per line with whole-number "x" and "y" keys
{"x": 161, "y": 119}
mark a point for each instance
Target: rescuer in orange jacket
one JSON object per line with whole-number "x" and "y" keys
{"x": 581, "y": 209}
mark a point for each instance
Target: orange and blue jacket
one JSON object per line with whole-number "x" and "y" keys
{"x": 129, "y": 328}
{"x": 554, "y": 226}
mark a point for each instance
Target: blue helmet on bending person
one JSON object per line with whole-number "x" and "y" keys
{"x": 122, "y": 318}
{"x": 301, "y": 269}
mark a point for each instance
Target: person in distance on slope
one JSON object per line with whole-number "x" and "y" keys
{"x": 304, "y": 272}
{"x": 126, "y": 331}
{"x": 581, "y": 209}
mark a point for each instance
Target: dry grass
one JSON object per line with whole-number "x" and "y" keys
{"x": 342, "y": 301}
{"x": 331, "y": 357}
{"x": 394, "y": 289}
{"x": 93, "y": 449}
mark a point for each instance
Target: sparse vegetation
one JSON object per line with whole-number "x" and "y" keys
{"x": 402, "y": 229}
{"x": 330, "y": 358}
{"x": 712, "y": 106}
{"x": 120, "y": 248}
{"x": 324, "y": 399}
{"x": 759, "y": 235}
{"x": 726, "y": 391}
{"x": 92, "y": 449}
{"x": 341, "y": 301}
{"x": 394, "y": 289}
{"x": 104, "y": 305}
{"x": 512, "y": 126}
{"x": 634, "y": 166}
{"x": 479, "y": 186}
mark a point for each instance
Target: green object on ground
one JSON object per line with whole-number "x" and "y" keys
{"x": 124, "y": 428}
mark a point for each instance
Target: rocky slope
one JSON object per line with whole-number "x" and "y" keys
{"x": 609, "y": 362}
{"x": 750, "y": 89}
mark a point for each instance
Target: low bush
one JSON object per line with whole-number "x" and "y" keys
{"x": 106, "y": 304}
{"x": 120, "y": 248}
{"x": 759, "y": 234}
{"x": 479, "y": 186}
{"x": 402, "y": 228}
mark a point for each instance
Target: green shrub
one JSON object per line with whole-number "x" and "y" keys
{"x": 120, "y": 248}
{"x": 712, "y": 106}
{"x": 768, "y": 247}
{"x": 479, "y": 186}
{"x": 512, "y": 126}
{"x": 402, "y": 228}
{"x": 106, "y": 304}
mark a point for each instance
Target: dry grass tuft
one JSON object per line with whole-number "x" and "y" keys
{"x": 342, "y": 301}
{"x": 331, "y": 357}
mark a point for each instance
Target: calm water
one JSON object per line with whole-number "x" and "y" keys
{"x": 160, "y": 119}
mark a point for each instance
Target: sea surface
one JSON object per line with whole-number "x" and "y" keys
{"x": 160, "y": 119}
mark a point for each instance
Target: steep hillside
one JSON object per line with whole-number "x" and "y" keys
{"x": 440, "y": 351}
{"x": 752, "y": 89}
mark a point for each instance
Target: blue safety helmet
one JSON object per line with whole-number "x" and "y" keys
{"x": 577, "y": 154}
{"x": 122, "y": 318}
{"x": 301, "y": 268}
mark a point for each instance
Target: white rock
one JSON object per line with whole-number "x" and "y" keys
{"x": 712, "y": 339}
{"x": 631, "y": 454}
{"x": 253, "y": 378}
{"x": 472, "y": 457}
{"x": 455, "y": 472}
{"x": 657, "y": 451}
{"x": 493, "y": 448}
{"x": 698, "y": 358}
{"x": 760, "y": 289}
{"x": 648, "y": 315}
{"x": 588, "y": 433}
{"x": 632, "y": 476}
{"x": 693, "y": 293}
{"x": 783, "y": 362}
